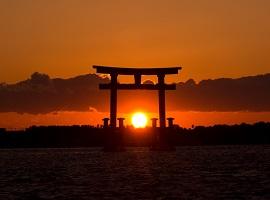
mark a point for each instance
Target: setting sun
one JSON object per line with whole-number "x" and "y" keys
{"x": 139, "y": 120}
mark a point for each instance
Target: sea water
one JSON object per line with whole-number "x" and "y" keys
{"x": 201, "y": 172}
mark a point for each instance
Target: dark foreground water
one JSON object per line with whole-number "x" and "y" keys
{"x": 217, "y": 172}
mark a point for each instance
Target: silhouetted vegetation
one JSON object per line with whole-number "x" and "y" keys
{"x": 88, "y": 136}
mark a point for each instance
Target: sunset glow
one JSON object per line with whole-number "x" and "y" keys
{"x": 46, "y": 74}
{"x": 139, "y": 120}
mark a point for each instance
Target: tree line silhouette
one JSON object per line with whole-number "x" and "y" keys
{"x": 89, "y": 136}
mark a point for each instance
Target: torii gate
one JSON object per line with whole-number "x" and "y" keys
{"x": 161, "y": 86}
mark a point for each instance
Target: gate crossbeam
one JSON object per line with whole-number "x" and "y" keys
{"x": 138, "y": 87}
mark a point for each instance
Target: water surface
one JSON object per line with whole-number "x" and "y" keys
{"x": 216, "y": 172}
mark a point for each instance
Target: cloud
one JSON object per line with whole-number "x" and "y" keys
{"x": 41, "y": 94}
{"x": 148, "y": 81}
{"x": 225, "y": 94}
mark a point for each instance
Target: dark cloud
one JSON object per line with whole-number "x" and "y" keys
{"x": 41, "y": 94}
{"x": 225, "y": 94}
{"x": 148, "y": 81}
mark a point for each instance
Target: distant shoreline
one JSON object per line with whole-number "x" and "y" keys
{"x": 89, "y": 136}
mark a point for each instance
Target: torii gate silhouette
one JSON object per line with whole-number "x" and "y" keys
{"x": 161, "y": 86}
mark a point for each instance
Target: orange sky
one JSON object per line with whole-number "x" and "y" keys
{"x": 184, "y": 119}
{"x": 209, "y": 38}
{"x": 64, "y": 38}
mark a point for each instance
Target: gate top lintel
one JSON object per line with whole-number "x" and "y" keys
{"x": 134, "y": 71}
